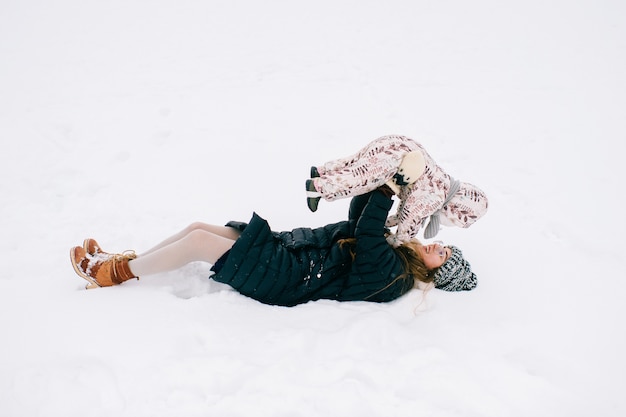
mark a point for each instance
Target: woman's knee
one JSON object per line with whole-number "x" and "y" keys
{"x": 197, "y": 241}
{"x": 196, "y": 226}
{"x": 223, "y": 231}
{"x": 202, "y": 245}
{"x": 198, "y": 236}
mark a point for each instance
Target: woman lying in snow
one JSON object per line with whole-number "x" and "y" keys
{"x": 347, "y": 261}
{"x": 428, "y": 193}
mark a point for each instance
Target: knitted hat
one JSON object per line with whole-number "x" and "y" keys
{"x": 455, "y": 274}
{"x": 468, "y": 205}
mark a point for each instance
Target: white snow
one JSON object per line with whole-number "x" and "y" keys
{"x": 126, "y": 120}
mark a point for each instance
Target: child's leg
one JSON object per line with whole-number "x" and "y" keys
{"x": 380, "y": 144}
{"x": 336, "y": 164}
{"x": 198, "y": 245}
{"x": 227, "y": 232}
{"x": 365, "y": 171}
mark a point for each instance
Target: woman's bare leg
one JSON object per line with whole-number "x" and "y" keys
{"x": 197, "y": 245}
{"x": 226, "y": 232}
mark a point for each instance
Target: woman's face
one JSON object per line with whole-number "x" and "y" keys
{"x": 434, "y": 255}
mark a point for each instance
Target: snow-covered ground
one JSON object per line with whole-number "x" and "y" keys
{"x": 126, "y": 120}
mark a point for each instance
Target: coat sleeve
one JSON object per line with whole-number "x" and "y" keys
{"x": 375, "y": 264}
{"x": 357, "y": 204}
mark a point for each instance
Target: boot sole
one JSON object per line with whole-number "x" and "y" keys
{"x": 80, "y": 273}
{"x": 313, "y": 196}
{"x": 312, "y": 203}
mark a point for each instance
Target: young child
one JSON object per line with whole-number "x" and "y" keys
{"x": 433, "y": 194}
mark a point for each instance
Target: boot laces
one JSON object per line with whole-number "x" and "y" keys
{"x": 100, "y": 258}
{"x": 119, "y": 257}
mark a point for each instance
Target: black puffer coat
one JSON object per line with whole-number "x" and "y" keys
{"x": 289, "y": 268}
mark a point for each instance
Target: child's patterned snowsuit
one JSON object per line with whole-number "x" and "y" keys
{"x": 376, "y": 164}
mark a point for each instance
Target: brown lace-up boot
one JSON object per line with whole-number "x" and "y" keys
{"x": 102, "y": 270}
{"x": 93, "y": 248}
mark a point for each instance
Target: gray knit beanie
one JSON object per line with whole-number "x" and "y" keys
{"x": 456, "y": 273}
